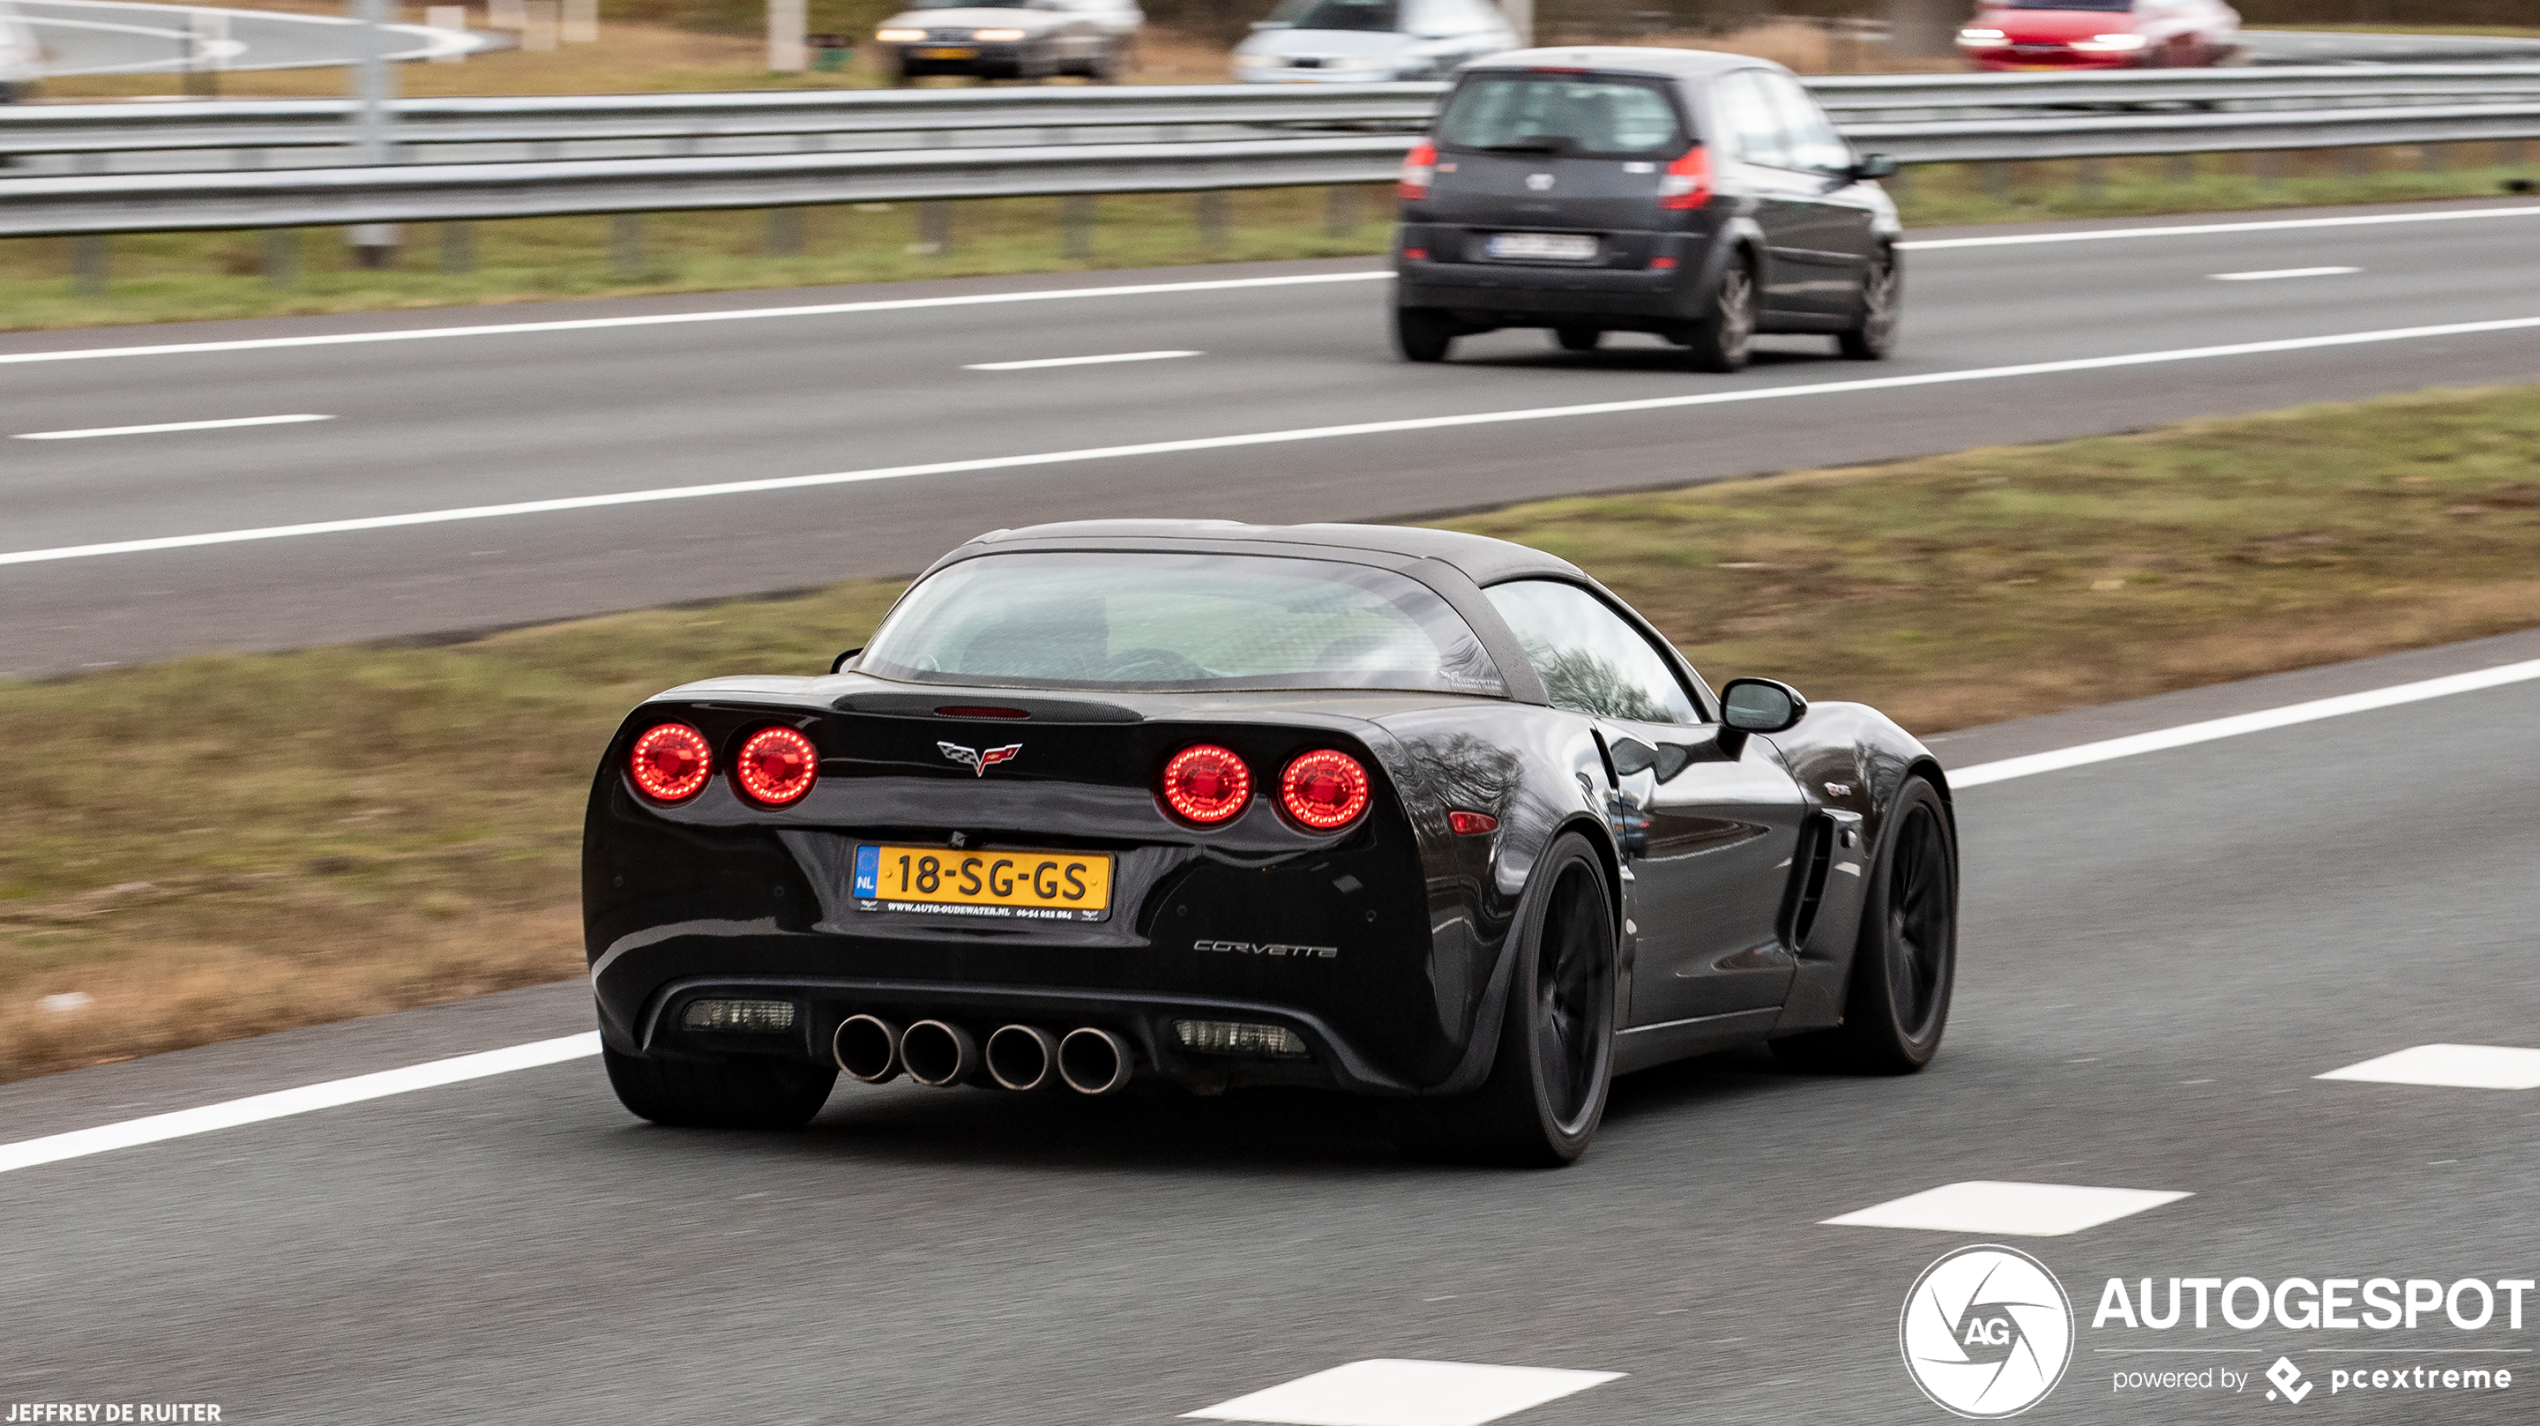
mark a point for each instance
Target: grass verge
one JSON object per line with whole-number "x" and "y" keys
{"x": 232, "y": 845}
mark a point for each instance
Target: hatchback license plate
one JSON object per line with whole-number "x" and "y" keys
{"x": 1028, "y": 886}
{"x": 948, "y": 52}
{"x": 1541, "y": 247}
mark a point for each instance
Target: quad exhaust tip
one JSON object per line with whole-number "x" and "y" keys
{"x": 938, "y": 1054}
{"x": 1094, "y": 1061}
{"x": 867, "y": 1048}
{"x": 1022, "y": 1057}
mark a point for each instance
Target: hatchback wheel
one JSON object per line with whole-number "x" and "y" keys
{"x": 1421, "y": 334}
{"x": 1872, "y": 334}
{"x": 1719, "y": 342}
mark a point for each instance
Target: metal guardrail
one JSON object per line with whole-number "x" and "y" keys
{"x": 426, "y": 192}
{"x": 675, "y": 125}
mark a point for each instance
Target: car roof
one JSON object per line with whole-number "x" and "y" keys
{"x": 1623, "y": 59}
{"x": 1482, "y": 559}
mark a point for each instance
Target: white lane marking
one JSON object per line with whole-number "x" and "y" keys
{"x": 2188, "y": 734}
{"x": 221, "y": 425}
{"x": 1388, "y": 1392}
{"x": 2027, "y": 1210}
{"x": 673, "y": 319}
{"x": 2452, "y": 1066}
{"x": 254, "y": 1109}
{"x": 2187, "y": 230}
{"x": 1257, "y": 438}
{"x": 1040, "y": 362}
{"x": 2272, "y": 274}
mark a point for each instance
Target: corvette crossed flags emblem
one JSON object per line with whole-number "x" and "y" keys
{"x": 979, "y": 762}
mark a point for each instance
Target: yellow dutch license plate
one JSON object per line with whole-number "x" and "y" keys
{"x": 1027, "y": 886}
{"x": 948, "y": 52}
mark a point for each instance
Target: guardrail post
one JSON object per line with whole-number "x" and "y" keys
{"x": 88, "y": 264}
{"x": 2266, "y": 166}
{"x": 1212, "y": 218}
{"x": 934, "y": 228}
{"x": 784, "y": 232}
{"x": 1076, "y": 225}
{"x": 626, "y": 244}
{"x": 282, "y": 257}
{"x": 2182, "y": 168}
{"x": 1340, "y": 211}
{"x": 1997, "y": 179}
{"x": 458, "y": 248}
{"x": 2089, "y": 180}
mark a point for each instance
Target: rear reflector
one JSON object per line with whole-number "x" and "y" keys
{"x": 671, "y": 762}
{"x": 1471, "y": 824}
{"x": 778, "y": 765}
{"x": 1662, "y": 262}
{"x": 1234, "y": 1037}
{"x": 749, "y": 1017}
{"x": 1324, "y": 790}
{"x": 1207, "y": 783}
{"x": 1687, "y": 182}
{"x": 1416, "y": 254}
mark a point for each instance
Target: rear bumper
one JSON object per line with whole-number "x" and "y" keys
{"x": 650, "y": 1024}
{"x": 1516, "y": 294}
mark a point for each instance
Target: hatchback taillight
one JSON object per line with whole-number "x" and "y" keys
{"x": 777, "y": 766}
{"x": 671, "y": 762}
{"x": 1418, "y": 167}
{"x": 1207, "y": 783}
{"x": 1687, "y": 182}
{"x": 1324, "y": 790}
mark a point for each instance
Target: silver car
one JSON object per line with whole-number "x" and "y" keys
{"x": 1031, "y": 40}
{"x": 1363, "y": 41}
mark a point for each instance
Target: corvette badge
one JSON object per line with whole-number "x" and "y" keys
{"x": 979, "y": 762}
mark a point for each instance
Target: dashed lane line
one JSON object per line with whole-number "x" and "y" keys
{"x": 1733, "y": 396}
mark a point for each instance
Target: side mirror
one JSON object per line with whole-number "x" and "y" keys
{"x": 839, "y": 664}
{"x": 1874, "y": 165}
{"x": 1759, "y": 705}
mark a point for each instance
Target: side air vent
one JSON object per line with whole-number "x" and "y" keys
{"x": 1808, "y": 880}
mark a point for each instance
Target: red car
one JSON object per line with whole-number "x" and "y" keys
{"x": 2100, "y": 34}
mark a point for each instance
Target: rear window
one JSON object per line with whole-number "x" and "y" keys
{"x": 1384, "y": 15}
{"x": 1586, "y": 116}
{"x": 1167, "y": 621}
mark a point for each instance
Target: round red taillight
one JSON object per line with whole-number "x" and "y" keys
{"x": 1207, "y": 783}
{"x": 1324, "y": 790}
{"x": 671, "y": 762}
{"x": 777, "y": 766}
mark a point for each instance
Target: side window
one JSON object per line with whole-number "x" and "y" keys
{"x": 1755, "y": 128}
{"x": 1590, "y": 660}
{"x": 1808, "y": 136}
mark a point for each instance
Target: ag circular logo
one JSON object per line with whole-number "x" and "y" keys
{"x": 1986, "y": 1332}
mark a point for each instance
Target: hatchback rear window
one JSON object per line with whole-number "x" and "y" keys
{"x": 1167, "y": 621}
{"x": 1586, "y": 116}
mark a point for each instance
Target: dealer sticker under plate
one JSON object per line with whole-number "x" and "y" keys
{"x": 1021, "y": 885}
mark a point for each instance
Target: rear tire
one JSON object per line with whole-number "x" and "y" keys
{"x": 1720, "y": 340}
{"x": 1577, "y": 339}
{"x": 1872, "y": 335}
{"x": 1555, "y": 1061}
{"x": 1421, "y": 334}
{"x": 742, "y": 1092}
{"x": 1906, "y": 963}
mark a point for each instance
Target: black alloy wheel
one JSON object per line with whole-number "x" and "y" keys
{"x": 1720, "y": 341}
{"x": 737, "y": 1092}
{"x": 1555, "y": 1058}
{"x": 1905, "y": 964}
{"x": 1578, "y": 339}
{"x": 1421, "y": 334}
{"x": 1872, "y": 335}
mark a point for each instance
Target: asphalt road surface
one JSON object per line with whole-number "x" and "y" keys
{"x": 1265, "y": 369}
{"x": 110, "y": 37}
{"x": 2160, "y": 953}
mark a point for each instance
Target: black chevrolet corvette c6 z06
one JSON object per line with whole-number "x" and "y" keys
{"x": 1396, "y": 811}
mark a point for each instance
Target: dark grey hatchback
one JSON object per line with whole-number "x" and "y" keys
{"x": 1700, "y": 196}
